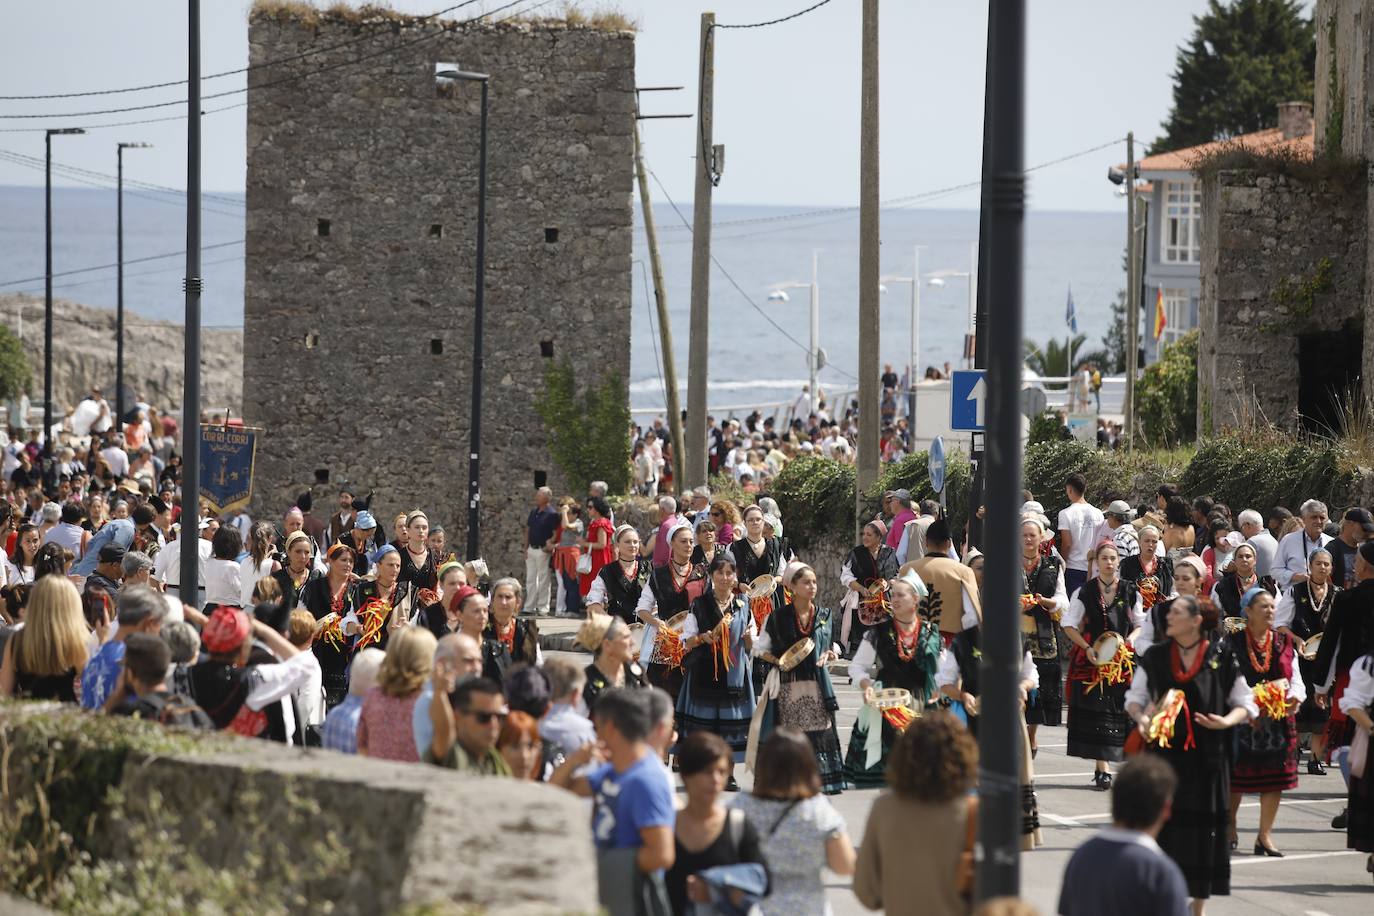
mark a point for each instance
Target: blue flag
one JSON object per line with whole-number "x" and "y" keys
{"x": 1071, "y": 314}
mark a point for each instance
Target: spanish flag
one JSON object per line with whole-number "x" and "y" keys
{"x": 1161, "y": 321}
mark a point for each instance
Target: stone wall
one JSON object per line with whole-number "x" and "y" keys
{"x": 154, "y": 355}
{"x": 1281, "y": 257}
{"x": 321, "y": 831}
{"x": 358, "y": 348}
{"x": 1344, "y": 75}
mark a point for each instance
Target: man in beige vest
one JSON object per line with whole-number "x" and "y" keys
{"x": 960, "y": 608}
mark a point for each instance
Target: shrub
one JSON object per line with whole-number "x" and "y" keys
{"x": 1246, "y": 475}
{"x": 1045, "y": 427}
{"x": 816, "y": 496}
{"x": 912, "y": 473}
{"x": 587, "y": 434}
{"x": 16, "y": 377}
{"x": 1166, "y": 398}
{"x": 1048, "y": 464}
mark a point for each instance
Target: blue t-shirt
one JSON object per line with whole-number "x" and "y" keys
{"x": 626, "y": 803}
{"x": 101, "y": 674}
{"x": 1124, "y": 873}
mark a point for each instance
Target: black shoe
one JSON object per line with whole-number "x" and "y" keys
{"x": 732, "y": 786}
{"x": 1339, "y": 821}
{"x": 1315, "y": 767}
{"x": 1102, "y": 781}
{"x": 1262, "y": 850}
{"x": 1034, "y": 751}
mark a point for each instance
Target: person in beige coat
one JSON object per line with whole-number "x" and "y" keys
{"x": 918, "y": 843}
{"x": 955, "y": 583}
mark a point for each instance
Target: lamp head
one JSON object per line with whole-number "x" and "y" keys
{"x": 66, "y": 130}
{"x": 135, "y": 145}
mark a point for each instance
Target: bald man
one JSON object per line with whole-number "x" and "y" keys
{"x": 457, "y": 658}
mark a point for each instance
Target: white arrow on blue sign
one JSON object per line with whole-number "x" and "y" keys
{"x": 968, "y": 397}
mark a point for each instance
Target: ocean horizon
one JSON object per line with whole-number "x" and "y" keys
{"x": 758, "y": 249}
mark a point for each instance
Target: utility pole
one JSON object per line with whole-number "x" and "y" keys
{"x": 190, "y": 398}
{"x": 694, "y": 474}
{"x": 980, "y": 320}
{"x": 1132, "y": 293}
{"x": 914, "y": 377}
{"x": 665, "y": 328}
{"x": 869, "y": 293}
{"x": 999, "y": 738}
{"x": 119, "y": 296}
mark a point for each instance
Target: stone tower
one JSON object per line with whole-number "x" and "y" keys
{"x": 362, "y": 193}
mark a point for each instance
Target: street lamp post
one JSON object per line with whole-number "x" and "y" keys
{"x": 475, "y": 439}
{"x": 47, "y": 291}
{"x": 914, "y": 358}
{"x": 119, "y": 297}
{"x": 815, "y": 359}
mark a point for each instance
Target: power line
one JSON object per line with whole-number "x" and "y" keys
{"x": 760, "y": 25}
{"x": 213, "y": 76}
{"x": 89, "y": 127}
{"x": 5, "y": 157}
{"x": 148, "y": 185}
{"x": 141, "y": 273}
{"x": 151, "y": 257}
{"x": 721, "y": 267}
{"x": 269, "y": 84}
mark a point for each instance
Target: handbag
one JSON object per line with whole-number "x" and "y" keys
{"x": 584, "y": 564}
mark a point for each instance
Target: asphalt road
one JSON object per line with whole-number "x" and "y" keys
{"x": 1317, "y": 877}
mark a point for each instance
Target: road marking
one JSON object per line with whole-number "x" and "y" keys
{"x": 1260, "y": 860}
{"x": 1081, "y": 819}
{"x": 1061, "y": 821}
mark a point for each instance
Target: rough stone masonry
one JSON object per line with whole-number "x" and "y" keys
{"x": 362, "y": 196}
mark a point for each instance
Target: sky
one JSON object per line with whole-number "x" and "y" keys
{"x": 787, "y": 96}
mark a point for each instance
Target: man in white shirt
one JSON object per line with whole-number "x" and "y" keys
{"x": 116, "y": 457}
{"x": 1077, "y": 524}
{"x": 167, "y": 563}
{"x": 1290, "y": 560}
{"x": 1251, "y": 526}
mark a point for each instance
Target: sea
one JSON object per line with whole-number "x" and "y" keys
{"x": 759, "y": 327}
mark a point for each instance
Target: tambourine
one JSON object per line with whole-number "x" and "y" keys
{"x": 1309, "y": 649}
{"x": 676, "y": 621}
{"x": 1105, "y": 647}
{"x": 892, "y": 698}
{"x": 1233, "y": 624}
{"x": 793, "y": 656}
{"x": 762, "y": 587}
{"x": 324, "y": 622}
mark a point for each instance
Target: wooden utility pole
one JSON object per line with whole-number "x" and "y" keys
{"x": 698, "y": 349}
{"x": 665, "y": 328}
{"x": 1132, "y": 294}
{"x": 870, "y": 411}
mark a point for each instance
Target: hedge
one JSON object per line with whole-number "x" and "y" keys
{"x": 816, "y": 495}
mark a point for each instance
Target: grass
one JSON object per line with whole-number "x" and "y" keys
{"x": 601, "y": 17}
{"x": 1290, "y": 160}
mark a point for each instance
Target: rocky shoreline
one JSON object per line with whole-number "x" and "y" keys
{"x": 84, "y": 354}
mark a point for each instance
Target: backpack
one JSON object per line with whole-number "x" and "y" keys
{"x": 173, "y": 710}
{"x": 1096, "y": 380}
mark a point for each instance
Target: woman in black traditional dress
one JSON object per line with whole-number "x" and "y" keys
{"x": 708, "y": 543}
{"x": 1357, "y": 703}
{"x": 906, "y": 650}
{"x": 1153, "y": 575}
{"x": 805, "y": 698}
{"x": 613, "y": 665}
{"x": 756, "y": 554}
{"x": 419, "y": 564}
{"x": 1215, "y": 697}
{"x": 435, "y": 613}
{"x": 513, "y": 640}
{"x": 333, "y": 600}
{"x": 379, "y": 600}
{"x": 671, "y": 590}
{"x": 616, "y": 589}
{"x": 1302, "y": 614}
{"x": 1240, "y": 578}
{"x": 1043, "y": 603}
{"x": 1189, "y": 573}
{"x": 296, "y": 573}
{"x": 1266, "y": 756}
{"x": 865, "y": 575}
{"x": 1097, "y": 688}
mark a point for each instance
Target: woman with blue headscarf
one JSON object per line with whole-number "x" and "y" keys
{"x": 1266, "y": 756}
{"x": 718, "y": 694}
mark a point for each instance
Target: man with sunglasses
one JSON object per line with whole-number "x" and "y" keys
{"x": 467, "y": 723}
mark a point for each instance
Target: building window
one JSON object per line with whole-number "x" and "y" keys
{"x": 1178, "y": 315}
{"x": 1182, "y": 223}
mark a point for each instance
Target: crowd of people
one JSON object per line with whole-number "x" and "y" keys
{"x": 1226, "y": 645}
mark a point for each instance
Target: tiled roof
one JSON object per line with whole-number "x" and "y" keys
{"x": 1261, "y": 141}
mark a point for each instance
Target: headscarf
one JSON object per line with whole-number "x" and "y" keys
{"x": 463, "y": 593}
{"x": 879, "y": 525}
{"x": 793, "y": 570}
{"x": 225, "y": 631}
{"x": 615, "y": 538}
{"x": 1195, "y": 562}
{"x": 293, "y": 537}
{"x": 451, "y": 563}
{"x": 376, "y": 555}
{"x": 680, "y": 525}
{"x": 974, "y": 553}
{"x": 1251, "y": 594}
{"x": 413, "y": 514}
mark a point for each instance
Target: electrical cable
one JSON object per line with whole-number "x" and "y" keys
{"x": 270, "y": 84}
{"x": 139, "y": 273}
{"x": 721, "y": 267}
{"x": 250, "y": 68}
{"x": 105, "y": 187}
{"x": 653, "y": 333}
{"x": 90, "y": 127}
{"x": 147, "y": 185}
{"x": 151, "y": 257}
{"x": 760, "y": 25}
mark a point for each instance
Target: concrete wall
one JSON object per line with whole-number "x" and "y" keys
{"x": 340, "y": 329}
{"x": 1264, "y": 238}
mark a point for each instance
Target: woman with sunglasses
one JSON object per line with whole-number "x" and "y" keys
{"x": 726, "y": 518}
{"x": 597, "y": 542}
{"x": 718, "y": 694}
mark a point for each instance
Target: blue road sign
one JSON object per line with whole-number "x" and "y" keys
{"x": 936, "y": 464}
{"x": 968, "y": 400}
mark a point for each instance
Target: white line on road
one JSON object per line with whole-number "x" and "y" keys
{"x": 1260, "y": 860}
{"x": 1080, "y": 820}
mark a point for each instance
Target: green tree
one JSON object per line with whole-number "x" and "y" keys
{"x": 1244, "y": 58}
{"x": 1052, "y": 357}
{"x": 16, "y": 376}
{"x": 1114, "y": 341}
{"x": 1166, "y": 398}
{"x": 588, "y": 433}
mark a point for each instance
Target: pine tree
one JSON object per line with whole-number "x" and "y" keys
{"x": 1245, "y": 57}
